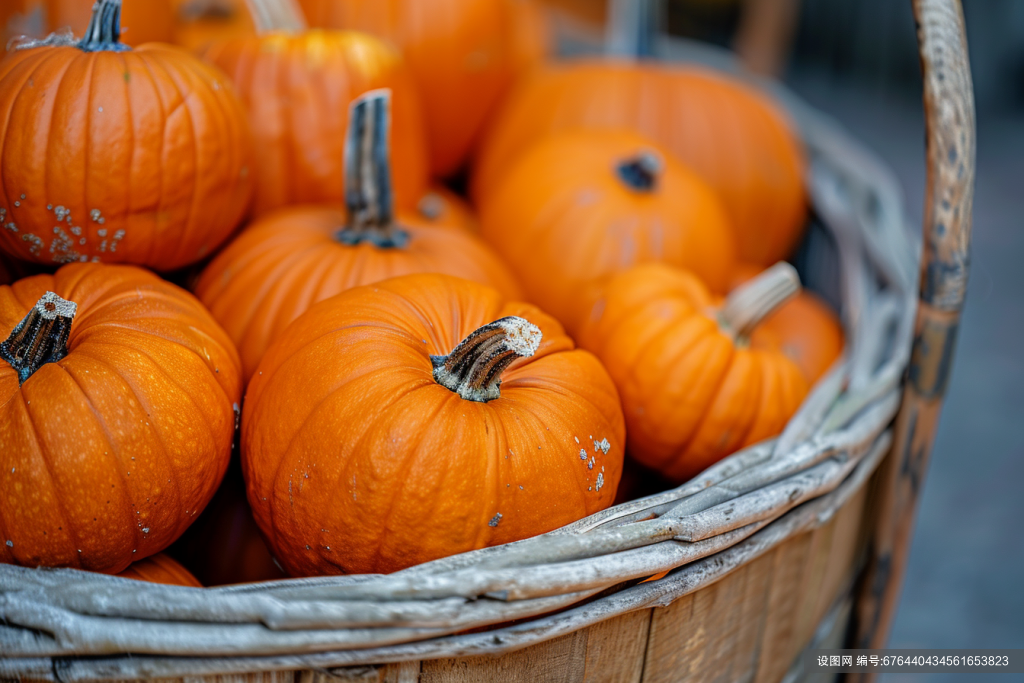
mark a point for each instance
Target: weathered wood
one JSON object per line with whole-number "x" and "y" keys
{"x": 950, "y": 149}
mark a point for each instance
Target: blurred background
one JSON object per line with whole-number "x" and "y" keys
{"x": 857, "y": 61}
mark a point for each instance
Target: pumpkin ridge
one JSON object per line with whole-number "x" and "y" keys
{"x": 47, "y": 465}
{"x": 114, "y": 456}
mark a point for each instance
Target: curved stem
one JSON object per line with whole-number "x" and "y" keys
{"x": 753, "y": 301}
{"x": 642, "y": 171}
{"x": 276, "y": 15}
{"x": 368, "y": 199}
{"x": 41, "y": 337}
{"x": 104, "y": 32}
{"x": 473, "y": 369}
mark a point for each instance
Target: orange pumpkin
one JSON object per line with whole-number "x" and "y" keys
{"x": 808, "y": 331}
{"x": 160, "y": 569}
{"x": 582, "y": 205}
{"x": 464, "y": 55}
{"x": 88, "y": 139}
{"x": 730, "y": 134}
{"x": 440, "y": 206}
{"x": 118, "y": 395}
{"x": 698, "y": 380}
{"x": 297, "y": 86}
{"x": 199, "y": 23}
{"x": 421, "y": 417}
{"x": 289, "y": 260}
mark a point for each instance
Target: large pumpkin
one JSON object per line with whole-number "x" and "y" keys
{"x": 297, "y": 86}
{"x": 118, "y": 154}
{"x": 698, "y": 380}
{"x": 730, "y": 134}
{"x": 118, "y": 394}
{"x": 160, "y": 568}
{"x": 582, "y": 205}
{"x": 421, "y": 417}
{"x": 806, "y": 329}
{"x": 289, "y": 260}
{"x": 464, "y": 54}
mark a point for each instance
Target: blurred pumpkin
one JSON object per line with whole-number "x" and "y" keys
{"x": 88, "y": 131}
{"x": 464, "y": 54}
{"x": 586, "y": 204}
{"x": 160, "y": 568}
{"x": 697, "y": 378}
{"x": 441, "y": 206}
{"x": 422, "y": 417}
{"x": 289, "y": 260}
{"x": 21, "y": 18}
{"x": 808, "y": 331}
{"x": 297, "y": 85}
{"x": 734, "y": 137}
{"x": 118, "y": 400}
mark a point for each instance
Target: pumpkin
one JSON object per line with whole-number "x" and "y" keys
{"x": 118, "y": 395}
{"x": 727, "y": 132}
{"x": 582, "y": 205}
{"x": 291, "y": 259}
{"x": 297, "y": 85}
{"x": 464, "y": 54}
{"x": 808, "y": 331}
{"x": 440, "y": 206}
{"x": 421, "y": 417}
{"x": 697, "y": 378}
{"x": 199, "y": 23}
{"x": 117, "y": 154}
{"x": 160, "y": 568}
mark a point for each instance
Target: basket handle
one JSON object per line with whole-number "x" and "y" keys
{"x": 950, "y": 147}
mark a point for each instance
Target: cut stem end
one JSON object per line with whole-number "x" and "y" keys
{"x": 473, "y": 369}
{"x": 41, "y": 337}
{"x": 641, "y": 172}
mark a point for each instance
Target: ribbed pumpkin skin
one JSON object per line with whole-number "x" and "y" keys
{"x": 109, "y": 454}
{"x": 690, "y": 395}
{"x": 464, "y": 54}
{"x": 732, "y": 136}
{"x": 297, "y": 89}
{"x": 806, "y": 329}
{"x": 284, "y": 263}
{"x": 351, "y": 448}
{"x": 160, "y": 569}
{"x": 562, "y": 217}
{"x": 139, "y": 157}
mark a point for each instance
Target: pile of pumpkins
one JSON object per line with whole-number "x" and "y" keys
{"x": 413, "y": 374}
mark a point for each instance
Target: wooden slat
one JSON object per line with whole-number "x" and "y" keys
{"x": 616, "y": 648}
{"x": 779, "y": 634}
{"x": 753, "y": 619}
{"x": 561, "y": 660}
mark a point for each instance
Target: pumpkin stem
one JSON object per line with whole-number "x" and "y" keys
{"x": 750, "y": 303}
{"x": 641, "y": 172}
{"x": 631, "y": 28}
{"x": 276, "y": 15}
{"x": 473, "y": 370}
{"x": 368, "y": 199}
{"x": 104, "y": 32}
{"x": 41, "y": 337}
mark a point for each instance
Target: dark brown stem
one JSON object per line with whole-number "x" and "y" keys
{"x": 641, "y": 172}
{"x": 368, "y": 199}
{"x": 104, "y": 32}
{"x": 473, "y": 369}
{"x": 753, "y": 301}
{"x": 41, "y": 337}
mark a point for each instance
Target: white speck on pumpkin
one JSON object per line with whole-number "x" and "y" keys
{"x": 583, "y": 454}
{"x": 145, "y": 529}
{"x": 602, "y": 446}
{"x": 10, "y": 544}
{"x": 600, "y": 480}
{"x": 493, "y": 523}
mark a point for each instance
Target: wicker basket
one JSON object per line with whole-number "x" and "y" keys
{"x": 763, "y": 551}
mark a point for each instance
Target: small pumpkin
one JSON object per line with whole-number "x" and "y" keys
{"x": 582, "y": 205}
{"x": 440, "y": 206}
{"x": 807, "y": 329}
{"x": 287, "y": 261}
{"x": 118, "y": 395}
{"x": 297, "y": 85}
{"x": 697, "y": 378}
{"x": 88, "y": 133}
{"x": 733, "y": 136}
{"x": 160, "y": 568}
{"x": 464, "y": 54}
{"x": 421, "y": 417}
